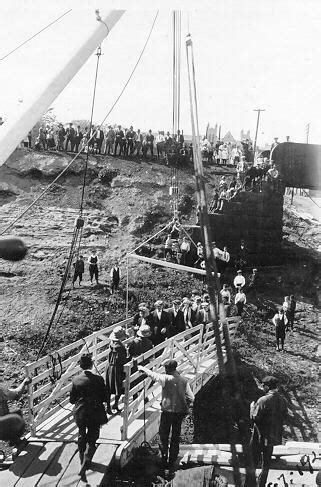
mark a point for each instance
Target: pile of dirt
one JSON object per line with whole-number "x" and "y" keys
{"x": 126, "y": 201}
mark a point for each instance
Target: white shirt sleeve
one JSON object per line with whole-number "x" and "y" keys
{"x": 189, "y": 393}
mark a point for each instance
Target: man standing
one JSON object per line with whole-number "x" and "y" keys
{"x": 130, "y": 137}
{"x": 93, "y": 266}
{"x": 138, "y": 142}
{"x": 159, "y": 323}
{"x": 176, "y": 319}
{"x": 115, "y": 277}
{"x": 70, "y": 134}
{"x": 203, "y": 315}
{"x": 226, "y": 299}
{"x": 99, "y": 139}
{"x": 88, "y": 393}
{"x": 291, "y": 312}
{"x": 150, "y": 143}
{"x": 110, "y": 139}
{"x": 279, "y": 321}
{"x": 78, "y": 138}
{"x": 240, "y": 301}
{"x": 269, "y": 413}
{"x": 119, "y": 135}
{"x": 79, "y": 270}
{"x": 239, "y": 280}
{"x": 176, "y": 393}
{"x": 141, "y": 343}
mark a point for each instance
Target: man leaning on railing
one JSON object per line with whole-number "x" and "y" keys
{"x": 176, "y": 397}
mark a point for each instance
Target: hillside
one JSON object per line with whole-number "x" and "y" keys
{"x": 126, "y": 202}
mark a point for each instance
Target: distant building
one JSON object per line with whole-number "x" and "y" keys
{"x": 245, "y": 135}
{"x": 228, "y": 138}
{"x": 211, "y": 133}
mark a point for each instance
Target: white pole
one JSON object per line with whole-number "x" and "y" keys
{"x": 19, "y": 124}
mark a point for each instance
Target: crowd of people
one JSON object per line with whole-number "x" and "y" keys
{"x": 225, "y": 153}
{"x": 112, "y": 140}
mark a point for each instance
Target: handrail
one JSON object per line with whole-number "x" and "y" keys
{"x": 191, "y": 348}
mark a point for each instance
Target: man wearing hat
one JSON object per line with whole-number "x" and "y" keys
{"x": 239, "y": 280}
{"x": 269, "y": 413}
{"x": 176, "y": 319}
{"x": 188, "y": 313}
{"x": 117, "y": 357}
{"x": 159, "y": 323}
{"x": 176, "y": 394}
{"x": 141, "y": 342}
{"x": 141, "y": 317}
{"x": 88, "y": 394}
{"x": 203, "y": 315}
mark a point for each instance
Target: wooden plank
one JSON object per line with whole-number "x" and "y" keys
{"x": 57, "y": 468}
{"x": 40, "y": 464}
{"x": 164, "y": 263}
{"x": 70, "y": 475}
{"x": 103, "y": 457}
{"x": 18, "y": 468}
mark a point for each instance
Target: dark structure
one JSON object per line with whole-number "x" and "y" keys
{"x": 255, "y": 218}
{"x": 299, "y": 164}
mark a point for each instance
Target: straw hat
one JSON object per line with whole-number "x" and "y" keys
{"x": 144, "y": 331}
{"x": 118, "y": 334}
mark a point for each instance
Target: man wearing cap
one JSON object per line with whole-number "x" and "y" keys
{"x": 269, "y": 413}
{"x": 88, "y": 394}
{"x": 176, "y": 393}
{"x": 159, "y": 323}
{"x": 239, "y": 280}
{"x": 176, "y": 319}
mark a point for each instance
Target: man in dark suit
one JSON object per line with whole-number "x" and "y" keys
{"x": 159, "y": 323}
{"x": 176, "y": 318}
{"x": 119, "y": 135}
{"x": 203, "y": 315}
{"x": 88, "y": 393}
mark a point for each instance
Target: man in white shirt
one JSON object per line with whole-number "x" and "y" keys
{"x": 239, "y": 280}
{"x": 240, "y": 301}
{"x": 176, "y": 398}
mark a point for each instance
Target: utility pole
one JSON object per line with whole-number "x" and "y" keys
{"x": 307, "y": 131}
{"x": 258, "y": 110}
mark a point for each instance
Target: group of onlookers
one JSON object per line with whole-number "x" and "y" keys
{"x": 93, "y": 268}
{"x": 226, "y": 153}
{"x": 113, "y": 140}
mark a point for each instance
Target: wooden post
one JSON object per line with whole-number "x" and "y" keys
{"x": 127, "y": 284}
{"x": 30, "y": 404}
{"x": 200, "y": 346}
{"x": 94, "y": 352}
{"x": 124, "y": 428}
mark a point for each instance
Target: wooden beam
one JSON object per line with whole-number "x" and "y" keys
{"x": 171, "y": 265}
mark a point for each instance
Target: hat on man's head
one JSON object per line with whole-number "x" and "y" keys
{"x": 170, "y": 365}
{"x": 270, "y": 381}
{"x": 194, "y": 291}
{"x": 142, "y": 305}
{"x": 159, "y": 302}
{"x": 185, "y": 301}
{"x": 176, "y": 301}
{"x": 143, "y": 308}
{"x": 254, "y": 270}
{"x": 239, "y": 271}
{"x": 144, "y": 331}
{"x": 118, "y": 334}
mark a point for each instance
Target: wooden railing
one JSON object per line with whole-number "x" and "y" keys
{"x": 194, "y": 350}
{"x": 50, "y": 386}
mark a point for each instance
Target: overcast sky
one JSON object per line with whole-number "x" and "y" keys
{"x": 248, "y": 54}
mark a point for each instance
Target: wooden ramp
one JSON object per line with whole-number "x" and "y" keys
{"x": 51, "y": 457}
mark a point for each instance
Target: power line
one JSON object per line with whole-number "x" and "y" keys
{"x": 35, "y": 35}
{"x": 74, "y": 158}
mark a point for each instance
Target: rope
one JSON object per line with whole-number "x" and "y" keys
{"x": 35, "y": 35}
{"x": 75, "y": 157}
{"x": 98, "y": 54}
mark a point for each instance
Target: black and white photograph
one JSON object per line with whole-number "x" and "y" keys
{"x": 160, "y": 240}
